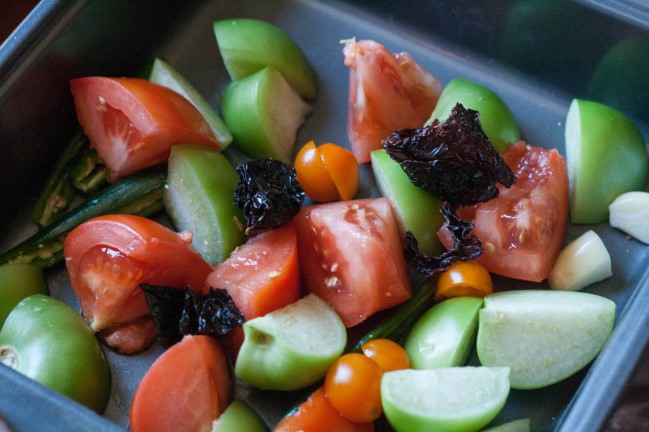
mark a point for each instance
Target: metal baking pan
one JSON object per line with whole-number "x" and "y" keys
{"x": 536, "y": 55}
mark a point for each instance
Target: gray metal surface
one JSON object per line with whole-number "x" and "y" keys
{"x": 481, "y": 40}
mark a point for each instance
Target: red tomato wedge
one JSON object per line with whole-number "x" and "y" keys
{"x": 108, "y": 257}
{"x": 317, "y": 415}
{"x": 387, "y": 91}
{"x": 185, "y": 389}
{"x": 522, "y": 229}
{"x": 262, "y": 274}
{"x": 351, "y": 255}
{"x": 132, "y": 122}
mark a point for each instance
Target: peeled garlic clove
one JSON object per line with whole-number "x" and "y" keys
{"x": 630, "y": 213}
{"x": 583, "y": 262}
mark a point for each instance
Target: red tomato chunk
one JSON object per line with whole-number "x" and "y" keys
{"x": 351, "y": 255}
{"x": 522, "y": 229}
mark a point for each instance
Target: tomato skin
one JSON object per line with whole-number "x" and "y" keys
{"x": 522, "y": 229}
{"x": 353, "y": 386}
{"x": 185, "y": 389}
{"x": 388, "y": 354}
{"x": 317, "y": 415}
{"x": 464, "y": 278}
{"x": 107, "y": 257}
{"x": 328, "y": 172}
{"x": 351, "y": 256}
{"x": 263, "y": 274}
{"x": 132, "y": 122}
{"x": 387, "y": 91}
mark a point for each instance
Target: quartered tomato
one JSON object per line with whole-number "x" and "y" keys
{"x": 262, "y": 274}
{"x": 108, "y": 257}
{"x": 185, "y": 389}
{"x": 522, "y": 229}
{"x": 132, "y": 122}
{"x": 351, "y": 255}
{"x": 387, "y": 91}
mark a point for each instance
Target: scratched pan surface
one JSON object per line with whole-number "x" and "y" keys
{"x": 535, "y": 55}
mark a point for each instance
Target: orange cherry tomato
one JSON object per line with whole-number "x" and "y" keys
{"x": 328, "y": 172}
{"x": 464, "y": 278}
{"x": 388, "y": 354}
{"x": 353, "y": 386}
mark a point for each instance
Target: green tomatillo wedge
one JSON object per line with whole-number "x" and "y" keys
{"x": 606, "y": 156}
{"x": 18, "y": 281}
{"x": 199, "y": 198}
{"x": 496, "y": 119}
{"x": 264, "y": 113}
{"x": 49, "y": 342}
{"x": 444, "y": 336}
{"x": 417, "y": 211}
{"x": 239, "y": 417}
{"x": 543, "y": 336}
{"x": 249, "y": 45}
{"x": 459, "y": 399}
{"x": 292, "y": 347}
{"x": 162, "y": 73}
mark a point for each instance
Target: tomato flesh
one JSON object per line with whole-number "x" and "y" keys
{"x": 185, "y": 389}
{"x": 132, "y": 123}
{"x": 387, "y": 91}
{"x": 108, "y": 257}
{"x": 263, "y": 274}
{"x": 351, "y": 256}
{"x": 522, "y": 229}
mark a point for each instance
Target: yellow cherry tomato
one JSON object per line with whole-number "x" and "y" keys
{"x": 328, "y": 172}
{"x": 464, "y": 278}
{"x": 388, "y": 354}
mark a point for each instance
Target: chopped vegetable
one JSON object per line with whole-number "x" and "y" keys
{"x": 108, "y": 257}
{"x": 198, "y": 198}
{"x": 416, "y": 210}
{"x": 496, "y": 119}
{"x": 249, "y": 45}
{"x": 140, "y": 195}
{"x": 164, "y": 74}
{"x": 583, "y": 262}
{"x": 387, "y": 91}
{"x": 179, "y": 312}
{"x": 630, "y": 213}
{"x": 317, "y": 415}
{"x": 184, "y": 390}
{"x": 544, "y": 336}
{"x": 58, "y": 194}
{"x": 606, "y": 156}
{"x": 353, "y": 387}
{"x": 444, "y": 399}
{"x": 465, "y": 246}
{"x": 292, "y": 347}
{"x": 453, "y": 160}
{"x": 522, "y": 230}
{"x": 46, "y": 340}
{"x": 351, "y": 255}
{"x": 327, "y": 172}
{"x": 268, "y": 193}
{"x": 263, "y": 274}
{"x": 444, "y": 335}
{"x": 132, "y": 123}
{"x": 464, "y": 278}
{"x": 520, "y": 425}
{"x": 264, "y": 112}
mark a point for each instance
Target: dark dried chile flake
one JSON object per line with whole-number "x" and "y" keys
{"x": 268, "y": 193}
{"x": 178, "y": 312}
{"x": 453, "y": 160}
{"x": 466, "y": 247}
